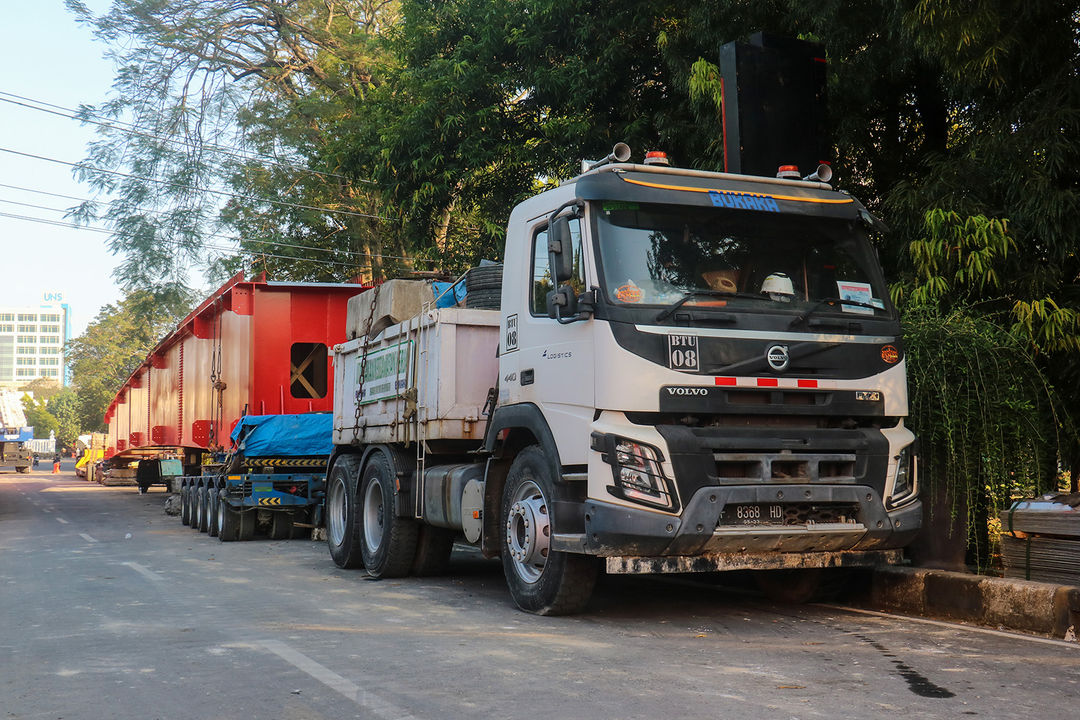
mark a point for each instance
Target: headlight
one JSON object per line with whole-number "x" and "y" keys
{"x": 905, "y": 480}
{"x": 637, "y": 471}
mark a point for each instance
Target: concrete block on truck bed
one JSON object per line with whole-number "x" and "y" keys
{"x": 395, "y": 302}
{"x": 428, "y": 375}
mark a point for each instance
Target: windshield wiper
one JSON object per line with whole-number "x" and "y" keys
{"x": 691, "y": 294}
{"x": 802, "y": 317}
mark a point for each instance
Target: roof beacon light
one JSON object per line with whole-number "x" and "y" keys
{"x": 822, "y": 174}
{"x": 657, "y": 157}
{"x": 619, "y": 153}
{"x": 788, "y": 172}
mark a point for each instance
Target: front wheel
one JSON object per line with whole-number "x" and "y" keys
{"x": 541, "y": 581}
{"x": 343, "y": 515}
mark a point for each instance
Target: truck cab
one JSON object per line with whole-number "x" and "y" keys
{"x": 731, "y": 382}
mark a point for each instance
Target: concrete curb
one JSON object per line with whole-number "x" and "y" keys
{"x": 1021, "y": 605}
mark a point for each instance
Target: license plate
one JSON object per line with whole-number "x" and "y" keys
{"x": 752, "y": 514}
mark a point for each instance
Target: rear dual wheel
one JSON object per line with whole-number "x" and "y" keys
{"x": 343, "y": 514}
{"x": 387, "y": 540}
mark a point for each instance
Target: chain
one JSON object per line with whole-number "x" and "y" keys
{"x": 363, "y": 362}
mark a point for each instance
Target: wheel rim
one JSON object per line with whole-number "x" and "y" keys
{"x": 335, "y": 512}
{"x": 528, "y": 532}
{"x": 373, "y": 515}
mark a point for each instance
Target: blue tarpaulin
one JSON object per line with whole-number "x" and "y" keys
{"x": 307, "y": 435}
{"x": 446, "y": 299}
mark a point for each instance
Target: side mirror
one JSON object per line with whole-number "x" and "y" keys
{"x": 560, "y": 252}
{"x": 562, "y": 304}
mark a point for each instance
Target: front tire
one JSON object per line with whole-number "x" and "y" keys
{"x": 387, "y": 541}
{"x": 342, "y": 513}
{"x": 541, "y": 581}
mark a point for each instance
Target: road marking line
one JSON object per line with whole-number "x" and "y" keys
{"x": 87, "y": 538}
{"x": 144, "y": 571}
{"x": 61, "y": 520}
{"x": 958, "y": 626}
{"x": 364, "y": 698}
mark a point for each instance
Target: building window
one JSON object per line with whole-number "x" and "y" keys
{"x": 7, "y": 328}
{"x": 49, "y": 340}
{"x": 48, "y": 361}
{"x": 26, "y": 361}
{"x": 50, "y": 373}
{"x": 25, "y": 340}
{"x": 25, "y": 372}
{"x": 50, "y": 318}
{"x": 26, "y": 350}
{"x": 307, "y": 370}
{"x": 27, "y": 318}
{"x": 7, "y": 317}
{"x": 28, "y": 328}
{"x": 50, "y": 328}
{"x": 46, "y": 351}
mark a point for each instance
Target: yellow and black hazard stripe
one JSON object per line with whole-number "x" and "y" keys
{"x": 270, "y": 501}
{"x": 289, "y": 462}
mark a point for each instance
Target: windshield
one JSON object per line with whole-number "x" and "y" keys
{"x": 657, "y": 254}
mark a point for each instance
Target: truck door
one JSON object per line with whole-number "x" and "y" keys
{"x": 554, "y": 363}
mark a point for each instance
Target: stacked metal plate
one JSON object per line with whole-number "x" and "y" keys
{"x": 1041, "y": 539}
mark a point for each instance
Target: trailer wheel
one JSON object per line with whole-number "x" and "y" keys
{"x": 387, "y": 542}
{"x": 342, "y": 514}
{"x": 246, "y": 529}
{"x": 185, "y": 505}
{"x": 541, "y": 581}
{"x": 228, "y": 521}
{"x": 212, "y": 512}
{"x": 433, "y": 548}
{"x": 281, "y": 525}
{"x": 204, "y": 508}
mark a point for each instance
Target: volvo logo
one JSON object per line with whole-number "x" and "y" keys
{"x": 777, "y": 355}
{"x": 687, "y": 391}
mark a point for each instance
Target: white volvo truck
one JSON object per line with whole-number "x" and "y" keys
{"x": 690, "y": 371}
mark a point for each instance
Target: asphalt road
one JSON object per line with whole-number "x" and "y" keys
{"x": 111, "y": 609}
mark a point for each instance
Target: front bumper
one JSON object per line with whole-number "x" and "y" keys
{"x": 618, "y": 530}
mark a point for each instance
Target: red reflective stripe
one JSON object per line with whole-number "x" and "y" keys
{"x": 808, "y": 383}
{"x": 768, "y": 382}
{"x": 725, "y": 381}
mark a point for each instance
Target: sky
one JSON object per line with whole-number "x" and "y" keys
{"x": 48, "y": 57}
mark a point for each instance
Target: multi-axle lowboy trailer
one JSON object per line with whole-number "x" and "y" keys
{"x": 274, "y": 480}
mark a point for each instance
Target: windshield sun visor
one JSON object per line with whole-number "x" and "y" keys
{"x": 792, "y": 199}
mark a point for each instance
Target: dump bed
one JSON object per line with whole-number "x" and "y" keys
{"x": 425, "y": 378}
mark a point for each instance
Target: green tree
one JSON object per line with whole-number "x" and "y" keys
{"x": 38, "y": 417}
{"x": 216, "y": 132}
{"x": 64, "y": 406}
{"x": 114, "y": 344}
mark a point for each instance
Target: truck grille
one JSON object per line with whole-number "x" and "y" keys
{"x": 785, "y": 467}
